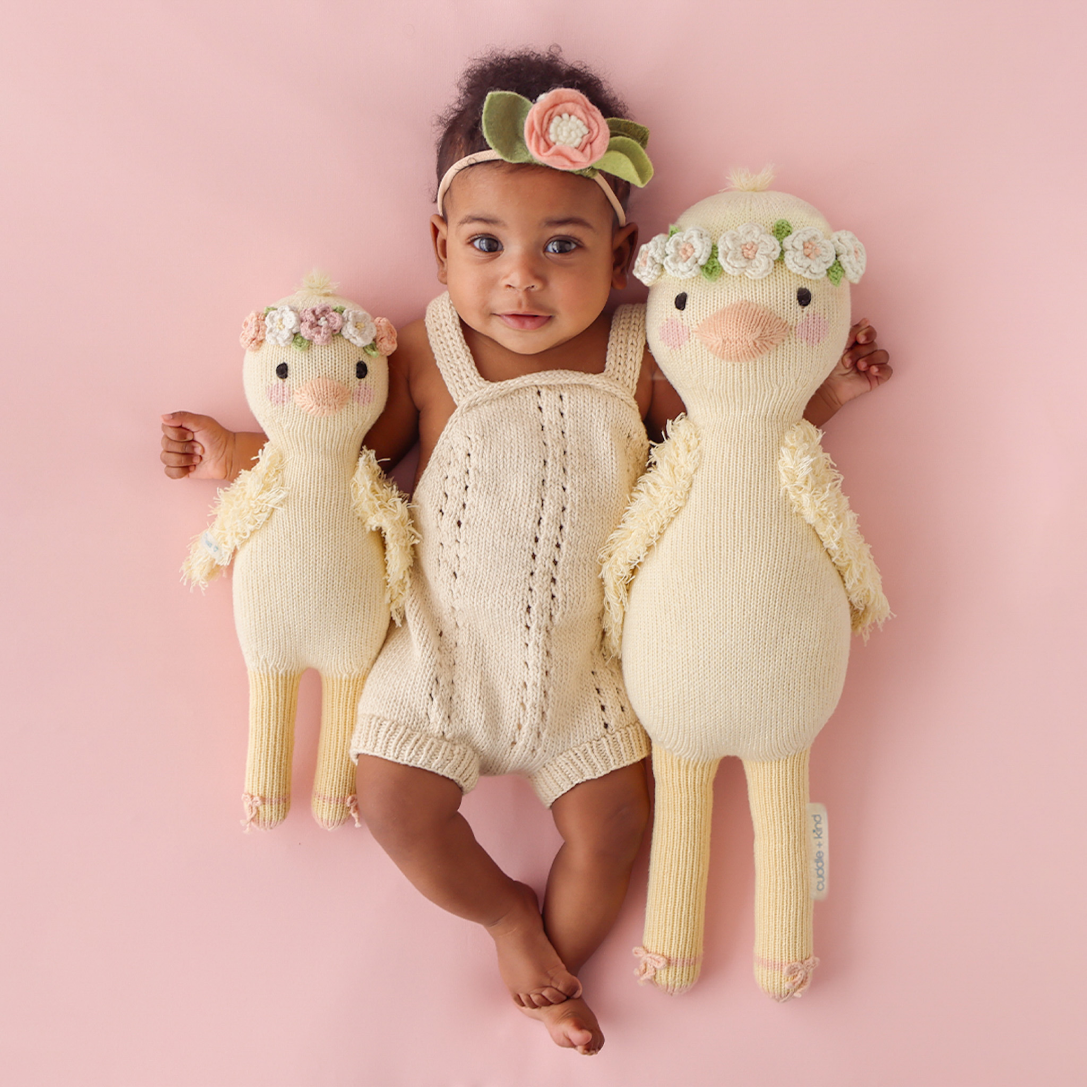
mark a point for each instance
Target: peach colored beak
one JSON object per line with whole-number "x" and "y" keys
{"x": 742, "y": 331}
{"x": 321, "y": 396}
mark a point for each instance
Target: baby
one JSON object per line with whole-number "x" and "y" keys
{"x": 528, "y": 403}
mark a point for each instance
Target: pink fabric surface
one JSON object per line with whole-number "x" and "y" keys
{"x": 169, "y": 168}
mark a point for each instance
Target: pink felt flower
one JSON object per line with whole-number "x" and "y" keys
{"x": 252, "y": 331}
{"x": 565, "y": 130}
{"x": 385, "y": 338}
{"x": 320, "y": 324}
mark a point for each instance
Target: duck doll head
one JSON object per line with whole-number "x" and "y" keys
{"x": 316, "y": 368}
{"x": 749, "y": 299}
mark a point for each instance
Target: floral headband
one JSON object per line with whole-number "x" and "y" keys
{"x": 564, "y": 130}
{"x": 751, "y": 251}
{"x": 285, "y": 325}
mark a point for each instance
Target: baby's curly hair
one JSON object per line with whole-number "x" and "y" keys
{"x": 529, "y": 73}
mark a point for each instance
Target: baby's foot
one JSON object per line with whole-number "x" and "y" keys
{"x": 571, "y": 1025}
{"x": 530, "y": 966}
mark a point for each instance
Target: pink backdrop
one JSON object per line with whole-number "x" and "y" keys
{"x": 169, "y": 166}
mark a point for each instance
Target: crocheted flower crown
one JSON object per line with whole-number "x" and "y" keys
{"x": 752, "y": 250}
{"x": 564, "y": 130}
{"x": 299, "y": 327}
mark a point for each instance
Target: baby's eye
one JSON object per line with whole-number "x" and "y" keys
{"x": 681, "y": 300}
{"x": 360, "y": 369}
{"x": 560, "y": 245}
{"x": 281, "y": 370}
{"x": 486, "y": 244}
{"x": 803, "y": 296}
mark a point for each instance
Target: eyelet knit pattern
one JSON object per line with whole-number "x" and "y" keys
{"x": 499, "y": 667}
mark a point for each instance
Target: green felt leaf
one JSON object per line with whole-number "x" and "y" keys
{"x": 625, "y": 158}
{"x": 620, "y": 126}
{"x": 503, "y": 125}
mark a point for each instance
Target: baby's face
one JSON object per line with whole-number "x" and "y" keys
{"x": 529, "y": 254}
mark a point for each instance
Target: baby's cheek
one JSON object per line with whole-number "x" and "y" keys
{"x": 279, "y": 394}
{"x": 813, "y": 329}
{"x": 363, "y": 394}
{"x": 674, "y": 333}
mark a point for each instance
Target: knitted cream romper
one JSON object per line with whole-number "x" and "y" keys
{"x": 499, "y": 667}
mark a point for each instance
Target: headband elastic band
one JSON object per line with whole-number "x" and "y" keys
{"x": 493, "y": 156}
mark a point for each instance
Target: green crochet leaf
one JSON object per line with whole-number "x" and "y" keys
{"x": 371, "y": 349}
{"x": 337, "y": 309}
{"x": 782, "y": 229}
{"x": 627, "y": 159}
{"x": 503, "y": 124}
{"x": 673, "y": 229}
{"x": 300, "y": 342}
{"x": 620, "y": 126}
{"x": 712, "y": 269}
{"x": 835, "y": 272}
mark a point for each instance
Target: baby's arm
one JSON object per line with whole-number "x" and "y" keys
{"x": 197, "y": 446}
{"x": 864, "y": 366}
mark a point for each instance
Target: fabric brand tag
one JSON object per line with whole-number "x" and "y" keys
{"x": 819, "y": 854}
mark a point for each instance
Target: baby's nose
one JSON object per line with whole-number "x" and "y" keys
{"x": 321, "y": 396}
{"x": 742, "y": 331}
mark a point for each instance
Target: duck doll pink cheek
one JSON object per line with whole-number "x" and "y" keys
{"x": 674, "y": 333}
{"x": 279, "y": 394}
{"x": 363, "y": 394}
{"x": 813, "y": 329}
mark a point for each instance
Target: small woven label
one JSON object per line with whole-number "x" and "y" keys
{"x": 819, "y": 855}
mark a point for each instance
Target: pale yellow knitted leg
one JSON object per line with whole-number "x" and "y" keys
{"x": 678, "y": 868}
{"x": 273, "y": 701}
{"x": 334, "y": 800}
{"x": 778, "y": 792}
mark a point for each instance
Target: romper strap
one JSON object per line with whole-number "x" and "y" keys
{"x": 455, "y": 362}
{"x": 626, "y": 346}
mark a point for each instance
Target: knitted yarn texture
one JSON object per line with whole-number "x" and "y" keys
{"x": 499, "y": 667}
{"x": 321, "y": 544}
{"x": 745, "y": 566}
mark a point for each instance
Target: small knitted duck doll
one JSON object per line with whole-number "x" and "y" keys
{"x": 738, "y": 570}
{"x": 321, "y": 541}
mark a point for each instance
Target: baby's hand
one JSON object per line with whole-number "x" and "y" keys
{"x": 864, "y": 366}
{"x": 197, "y": 446}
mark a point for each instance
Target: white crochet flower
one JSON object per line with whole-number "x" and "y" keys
{"x": 748, "y": 251}
{"x": 686, "y": 252}
{"x": 650, "y": 260}
{"x": 281, "y": 325}
{"x": 358, "y": 327}
{"x": 851, "y": 254}
{"x": 808, "y": 253}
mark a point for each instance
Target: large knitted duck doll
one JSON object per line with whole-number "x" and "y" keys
{"x": 321, "y": 541}
{"x": 748, "y": 569}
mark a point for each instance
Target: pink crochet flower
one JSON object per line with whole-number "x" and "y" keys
{"x": 252, "y": 331}
{"x": 565, "y": 130}
{"x": 385, "y": 340}
{"x": 320, "y": 324}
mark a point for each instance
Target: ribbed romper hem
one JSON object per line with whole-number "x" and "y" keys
{"x": 408, "y": 746}
{"x": 591, "y": 760}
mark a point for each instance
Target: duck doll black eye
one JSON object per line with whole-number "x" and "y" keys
{"x": 361, "y": 369}
{"x": 681, "y": 300}
{"x": 281, "y": 370}
{"x": 803, "y": 296}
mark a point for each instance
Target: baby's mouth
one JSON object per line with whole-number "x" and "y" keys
{"x": 524, "y": 322}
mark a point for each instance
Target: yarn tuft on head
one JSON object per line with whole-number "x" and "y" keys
{"x": 741, "y": 180}
{"x": 317, "y": 282}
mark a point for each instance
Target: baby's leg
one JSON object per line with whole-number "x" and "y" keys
{"x": 601, "y": 823}
{"x": 414, "y": 816}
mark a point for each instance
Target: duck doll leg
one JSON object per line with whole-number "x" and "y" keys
{"x": 678, "y": 868}
{"x": 273, "y": 702}
{"x": 778, "y": 793}
{"x": 334, "y": 800}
